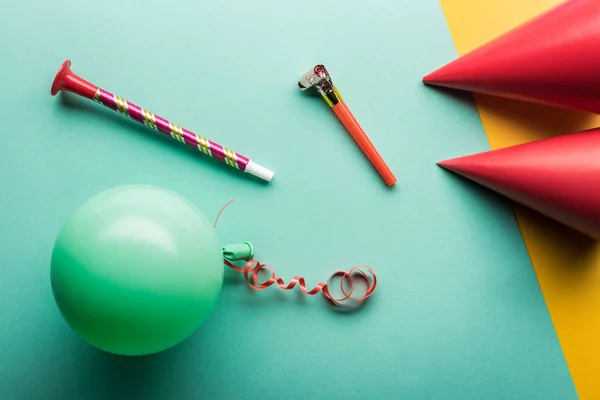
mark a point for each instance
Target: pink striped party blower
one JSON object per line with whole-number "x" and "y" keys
{"x": 66, "y": 80}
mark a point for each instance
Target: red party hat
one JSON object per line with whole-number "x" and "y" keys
{"x": 552, "y": 59}
{"x": 558, "y": 177}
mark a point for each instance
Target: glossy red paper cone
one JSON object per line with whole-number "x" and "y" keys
{"x": 552, "y": 59}
{"x": 558, "y": 177}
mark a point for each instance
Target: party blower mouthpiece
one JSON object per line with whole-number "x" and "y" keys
{"x": 321, "y": 80}
{"x": 66, "y": 80}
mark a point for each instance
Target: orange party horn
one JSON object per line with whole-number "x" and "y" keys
{"x": 320, "y": 78}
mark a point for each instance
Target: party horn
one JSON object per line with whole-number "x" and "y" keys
{"x": 319, "y": 78}
{"x": 66, "y": 80}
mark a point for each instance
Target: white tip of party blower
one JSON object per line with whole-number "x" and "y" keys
{"x": 260, "y": 171}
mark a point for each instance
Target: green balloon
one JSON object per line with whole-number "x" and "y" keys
{"x": 136, "y": 270}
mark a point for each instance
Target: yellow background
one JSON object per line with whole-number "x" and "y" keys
{"x": 566, "y": 263}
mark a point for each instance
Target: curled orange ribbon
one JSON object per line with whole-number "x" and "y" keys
{"x": 253, "y": 268}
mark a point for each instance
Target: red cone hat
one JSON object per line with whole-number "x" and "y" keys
{"x": 552, "y": 59}
{"x": 559, "y": 177}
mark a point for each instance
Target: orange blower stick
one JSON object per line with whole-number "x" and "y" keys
{"x": 320, "y": 78}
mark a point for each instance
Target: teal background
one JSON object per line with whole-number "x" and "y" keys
{"x": 458, "y": 312}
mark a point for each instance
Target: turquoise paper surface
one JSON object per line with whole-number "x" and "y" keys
{"x": 458, "y": 313}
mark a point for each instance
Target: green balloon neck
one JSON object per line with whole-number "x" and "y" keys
{"x": 237, "y": 252}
